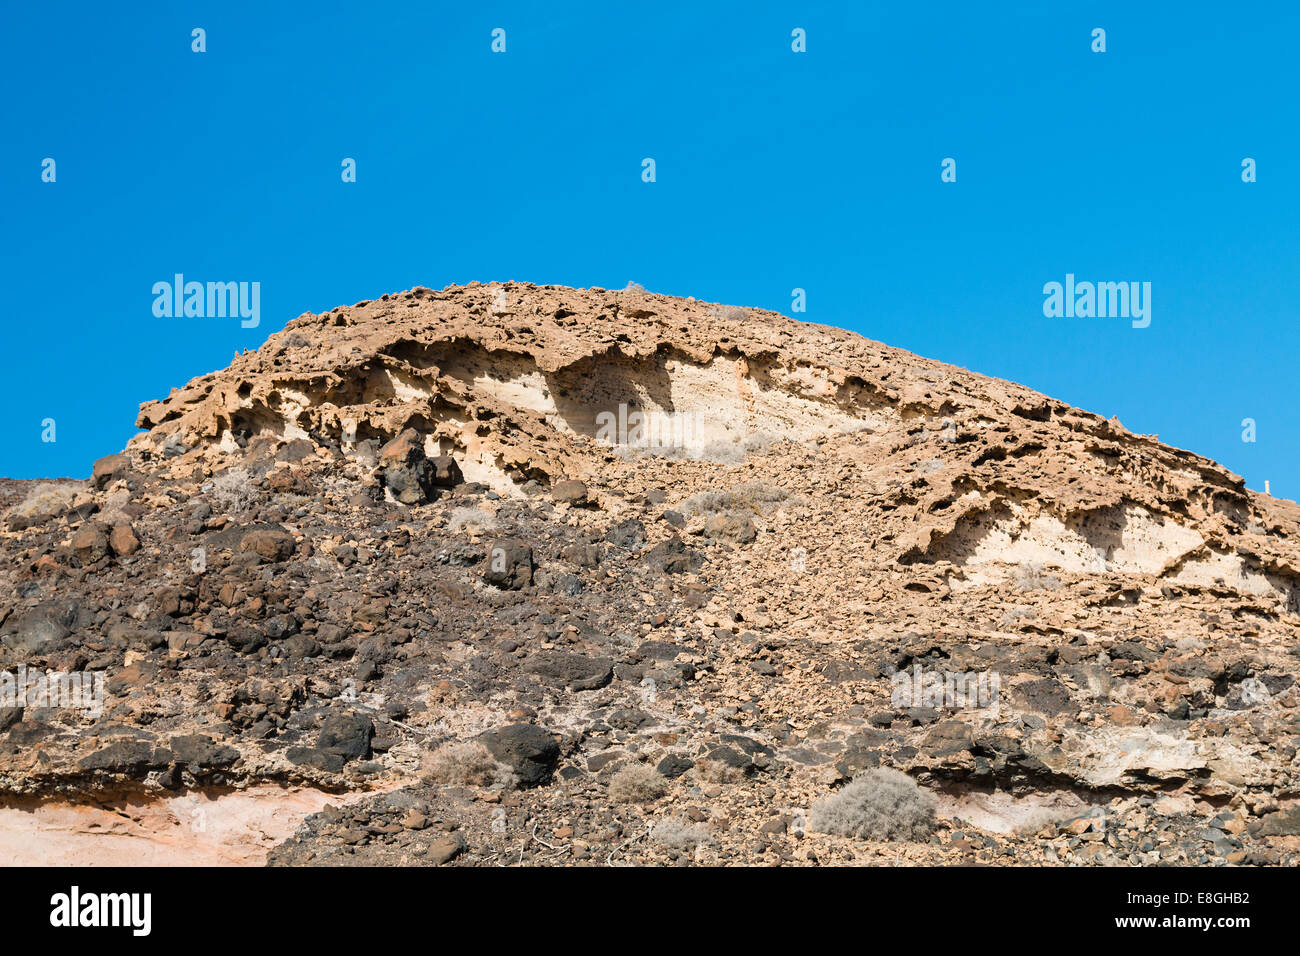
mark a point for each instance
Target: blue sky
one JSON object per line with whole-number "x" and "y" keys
{"x": 775, "y": 170}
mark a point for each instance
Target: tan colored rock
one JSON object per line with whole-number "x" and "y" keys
{"x": 570, "y": 491}
{"x": 123, "y": 541}
{"x": 443, "y": 851}
{"x": 108, "y": 468}
{"x": 90, "y": 544}
{"x": 268, "y": 543}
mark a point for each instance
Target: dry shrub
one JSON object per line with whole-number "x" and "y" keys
{"x": 637, "y": 783}
{"x": 469, "y": 517}
{"x": 1030, "y": 577}
{"x": 46, "y": 499}
{"x": 752, "y": 496}
{"x": 233, "y": 490}
{"x": 678, "y": 833}
{"x": 881, "y": 804}
{"x": 710, "y": 770}
{"x": 465, "y": 764}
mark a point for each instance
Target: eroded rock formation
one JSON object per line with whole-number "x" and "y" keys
{"x": 577, "y": 547}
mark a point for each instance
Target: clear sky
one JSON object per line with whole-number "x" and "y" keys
{"x": 775, "y": 170}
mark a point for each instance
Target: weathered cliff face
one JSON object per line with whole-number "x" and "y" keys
{"x": 520, "y": 381}
{"x": 593, "y": 533}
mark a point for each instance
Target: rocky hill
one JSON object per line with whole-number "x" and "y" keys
{"x": 530, "y": 574}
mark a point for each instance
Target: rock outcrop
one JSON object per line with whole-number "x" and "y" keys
{"x": 735, "y": 559}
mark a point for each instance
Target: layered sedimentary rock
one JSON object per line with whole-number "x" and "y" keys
{"x": 602, "y": 562}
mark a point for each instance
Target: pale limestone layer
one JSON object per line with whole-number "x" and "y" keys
{"x": 518, "y": 381}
